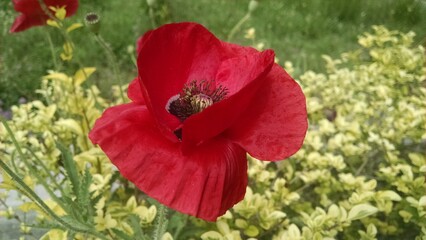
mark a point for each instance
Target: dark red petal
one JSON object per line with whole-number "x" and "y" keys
{"x": 33, "y": 15}
{"x": 32, "y": 7}
{"x": 242, "y": 76}
{"x": 134, "y": 91}
{"x": 71, "y": 7}
{"x": 171, "y": 56}
{"x": 27, "y": 6}
{"x": 23, "y": 22}
{"x": 274, "y": 126}
{"x": 204, "y": 184}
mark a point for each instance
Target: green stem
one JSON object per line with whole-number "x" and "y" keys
{"x": 46, "y": 170}
{"x": 152, "y": 17}
{"x": 12, "y": 136}
{"x": 113, "y": 61}
{"x": 237, "y": 26}
{"x": 160, "y": 226}
{"x": 46, "y": 10}
{"x": 52, "y": 51}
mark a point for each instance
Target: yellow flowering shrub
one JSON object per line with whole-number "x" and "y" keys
{"x": 360, "y": 174}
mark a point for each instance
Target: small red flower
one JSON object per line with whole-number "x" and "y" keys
{"x": 198, "y": 106}
{"x": 32, "y": 13}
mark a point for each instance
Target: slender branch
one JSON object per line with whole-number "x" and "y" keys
{"x": 46, "y": 10}
{"x": 152, "y": 17}
{"x": 238, "y": 26}
{"x": 113, "y": 61}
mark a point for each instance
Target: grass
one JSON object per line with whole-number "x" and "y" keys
{"x": 298, "y": 31}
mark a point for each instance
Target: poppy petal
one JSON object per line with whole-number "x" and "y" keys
{"x": 27, "y": 6}
{"x": 242, "y": 76}
{"x": 205, "y": 183}
{"x": 141, "y": 41}
{"x": 274, "y": 126}
{"x": 234, "y": 50}
{"x": 171, "y": 56}
{"x": 237, "y": 72}
{"x": 134, "y": 91}
{"x": 23, "y": 22}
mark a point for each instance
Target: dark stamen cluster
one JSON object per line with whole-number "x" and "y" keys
{"x": 194, "y": 98}
{"x": 204, "y": 87}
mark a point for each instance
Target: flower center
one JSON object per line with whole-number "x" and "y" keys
{"x": 194, "y": 98}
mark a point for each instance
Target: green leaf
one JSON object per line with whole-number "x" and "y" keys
{"x": 251, "y": 231}
{"x": 211, "y": 235}
{"x": 122, "y": 235}
{"x": 422, "y": 201}
{"x": 76, "y": 224}
{"x": 391, "y": 195}
{"x": 361, "y": 211}
{"x": 177, "y": 222}
{"x": 135, "y": 225}
{"x": 83, "y": 192}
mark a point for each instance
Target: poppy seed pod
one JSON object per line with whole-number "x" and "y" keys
{"x": 93, "y": 22}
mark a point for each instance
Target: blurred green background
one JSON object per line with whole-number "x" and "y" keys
{"x": 298, "y": 31}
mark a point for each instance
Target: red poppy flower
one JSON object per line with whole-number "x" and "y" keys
{"x": 33, "y": 15}
{"x": 198, "y": 106}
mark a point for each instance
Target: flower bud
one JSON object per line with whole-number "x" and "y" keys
{"x": 93, "y": 22}
{"x": 151, "y": 3}
{"x": 252, "y": 5}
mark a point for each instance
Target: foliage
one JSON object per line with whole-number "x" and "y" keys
{"x": 360, "y": 174}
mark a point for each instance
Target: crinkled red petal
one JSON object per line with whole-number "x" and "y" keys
{"x": 242, "y": 76}
{"x": 171, "y": 56}
{"x": 204, "y": 184}
{"x": 275, "y": 124}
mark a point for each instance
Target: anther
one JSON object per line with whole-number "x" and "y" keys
{"x": 194, "y": 98}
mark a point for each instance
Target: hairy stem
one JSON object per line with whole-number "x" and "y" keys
{"x": 160, "y": 226}
{"x": 52, "y": 51}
